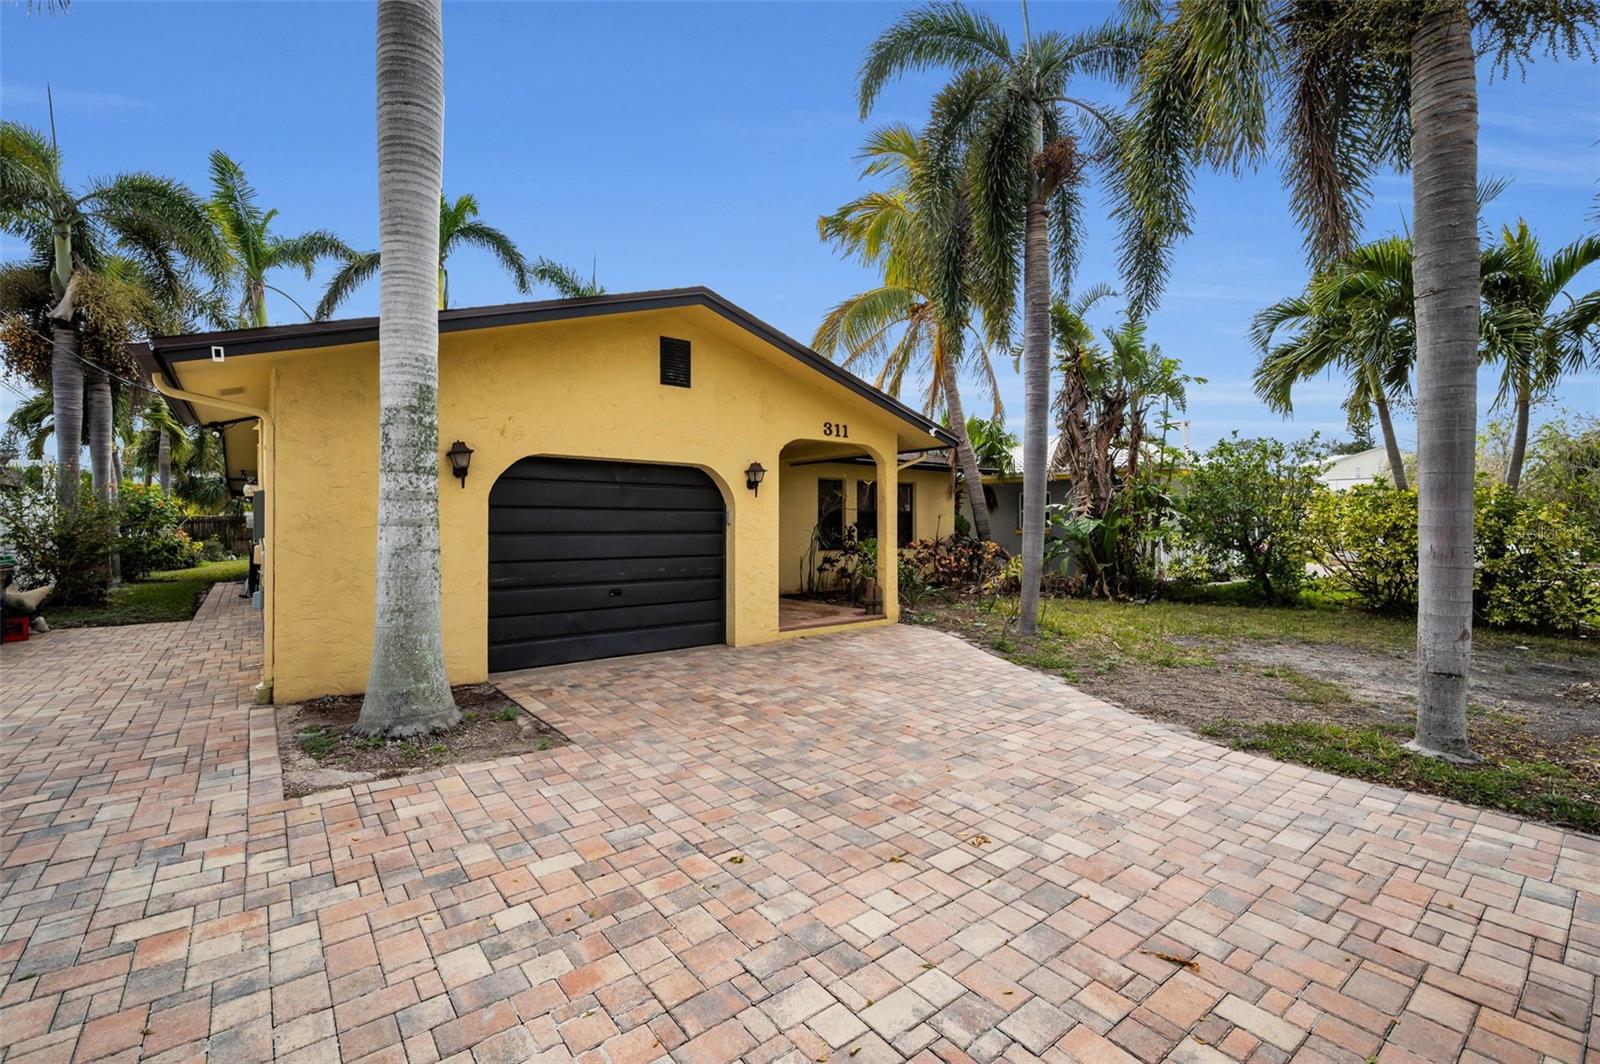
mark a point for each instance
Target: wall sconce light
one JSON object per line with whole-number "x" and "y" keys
{"x": 753, "y": 476}
{"x": 460, "y": 456}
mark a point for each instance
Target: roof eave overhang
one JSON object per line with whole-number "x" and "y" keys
{"x": 170, "y": 352}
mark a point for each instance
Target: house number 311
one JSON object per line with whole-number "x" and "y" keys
{"x": 836, "y": 429}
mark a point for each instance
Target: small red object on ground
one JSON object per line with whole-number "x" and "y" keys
{"x": 14, "y": 629}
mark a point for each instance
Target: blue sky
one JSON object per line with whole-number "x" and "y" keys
{"x": 670, "y": 144}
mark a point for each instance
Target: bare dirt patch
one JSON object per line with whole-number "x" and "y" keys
{"x": 319, "y": 753}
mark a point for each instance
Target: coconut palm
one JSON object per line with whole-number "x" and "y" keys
{"x": 254, "y": 251}
{"x": 459, "y": 227}
{"x": 1557, "y": 339}
{"x": 408, "y": 691}
{"x": 899, "y": 326}
{"x": 1357, "y": 318}
{"x": 1008, "y": 128}
{"x": 160, "y": 230}
{"x": 1363, "y": 84}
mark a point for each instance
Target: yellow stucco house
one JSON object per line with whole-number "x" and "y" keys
{"x": 612, "y": 503}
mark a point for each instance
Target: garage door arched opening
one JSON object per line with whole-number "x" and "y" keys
{"x": 597, "y": 559}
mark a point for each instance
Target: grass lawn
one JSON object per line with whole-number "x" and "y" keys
{"x": 168, "y": 596}
{"x": 1326, "y": 686}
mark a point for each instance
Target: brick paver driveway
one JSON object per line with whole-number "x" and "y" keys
{"x": 871, "y": 846}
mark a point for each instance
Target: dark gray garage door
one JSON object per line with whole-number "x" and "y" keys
{"x": 596, "y": 559}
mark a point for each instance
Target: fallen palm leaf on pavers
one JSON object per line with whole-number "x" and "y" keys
{"x": 1172, "y": 958}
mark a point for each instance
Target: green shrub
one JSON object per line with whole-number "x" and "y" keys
{"x": 1530, "y": 554}
{"x": 1245, "y": 509}
{"x": 151, "y": 537}
{"x": 1366, "y": 538}
{"x": 70, "y": 549}
{"x": 1530, "y": 563}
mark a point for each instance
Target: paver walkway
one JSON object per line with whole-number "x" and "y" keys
{"x": 870, "y": 846}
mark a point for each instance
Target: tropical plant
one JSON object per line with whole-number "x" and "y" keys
{"x": 1366, "y": 539}
{"x": 98, "y": 259}
{"x": 69, "y": 549}
{"x": 1357, "y": 317}
{"x": 459, "y": 227}
{"x": 1245, "y": 510}
{"x": 158, "y": 440}
{"x": 1364, "y": 84}
{"x": 900, "y": 326}
{"x": 199, "y": 475}
{"x": 1522, "y": 284}
{"x": 1564, "y": 468}
{"x": 1004, "y": 139}
{"x": 408, "y": 689}
{"x": 253, "y": 250}
{"x": 1530, "y": 563}
{"x": 1119, "y": 511}
{"x": 992, "y": 445}
{"x": 152, "y": 536}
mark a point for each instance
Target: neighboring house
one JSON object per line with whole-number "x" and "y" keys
{"x": 611, "y": 504}
{"x": 1005, "y": 499}
{"x": 1347, "y": 470}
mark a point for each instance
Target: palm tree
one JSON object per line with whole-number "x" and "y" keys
{"x": 899, "y": 326}
{"x": 459, "y": 227}
{"x": 1009, "y": 115}
{"x": 253, "y": 249}
{"x": 1357, "y": 317}
{"x": 1526, "y": 284}
{"x": 158, "y": 443}
{"x": 1366, "y": 84}
{"x": 408, "y": 689}
{"x": 161, "y": 230}
{"x": 199, "y": 469}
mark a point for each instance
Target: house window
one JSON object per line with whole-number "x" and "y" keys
{"x": 1020, "y": 511}
{"x": 674, "y": 362}
{"x": 905, "y": 514}
{"x": 830, "y": 514}
{"x": 867, "y": 526}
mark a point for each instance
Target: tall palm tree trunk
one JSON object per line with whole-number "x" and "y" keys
{"x": 1444, "y": 154}
{"x": 164, "y": 460}
{"x": 408, "y": 691}
{"x": 1391, "y": 443}
{"x": 1036, "y": 402}
{"x": 1519, "y": 436}
{"x": 102, "y": 448}
{"x": 66, "y": 389}
{"x": 964, "y": 452}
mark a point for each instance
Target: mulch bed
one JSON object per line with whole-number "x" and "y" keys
{"x": 318, "y": 752}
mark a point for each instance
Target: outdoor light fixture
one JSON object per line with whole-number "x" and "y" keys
{"x": 753, "y": 475}
{"x": 460, "y": 456}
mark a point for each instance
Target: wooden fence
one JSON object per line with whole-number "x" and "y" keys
{"x": 232, "y": 529}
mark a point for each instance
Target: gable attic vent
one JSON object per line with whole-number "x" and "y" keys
{"x": 674, "y": 362}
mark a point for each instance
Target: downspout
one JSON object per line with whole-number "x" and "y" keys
{"x": 263, "y": 691}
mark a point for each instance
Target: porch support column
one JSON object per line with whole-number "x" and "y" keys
{"x": 888, "y": 524}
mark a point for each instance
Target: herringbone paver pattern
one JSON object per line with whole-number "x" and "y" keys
{"x": 866, "y": 847}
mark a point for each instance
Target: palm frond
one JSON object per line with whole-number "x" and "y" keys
{"x": 355, "y": 272}
{"x": 306, "y": 250}
{"x": 567, "y": 282}
{"x": 936, "y": 35}
{"x": 497, "y": 243}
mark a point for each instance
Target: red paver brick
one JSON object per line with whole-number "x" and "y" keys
{"x": 566, "y": 900}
